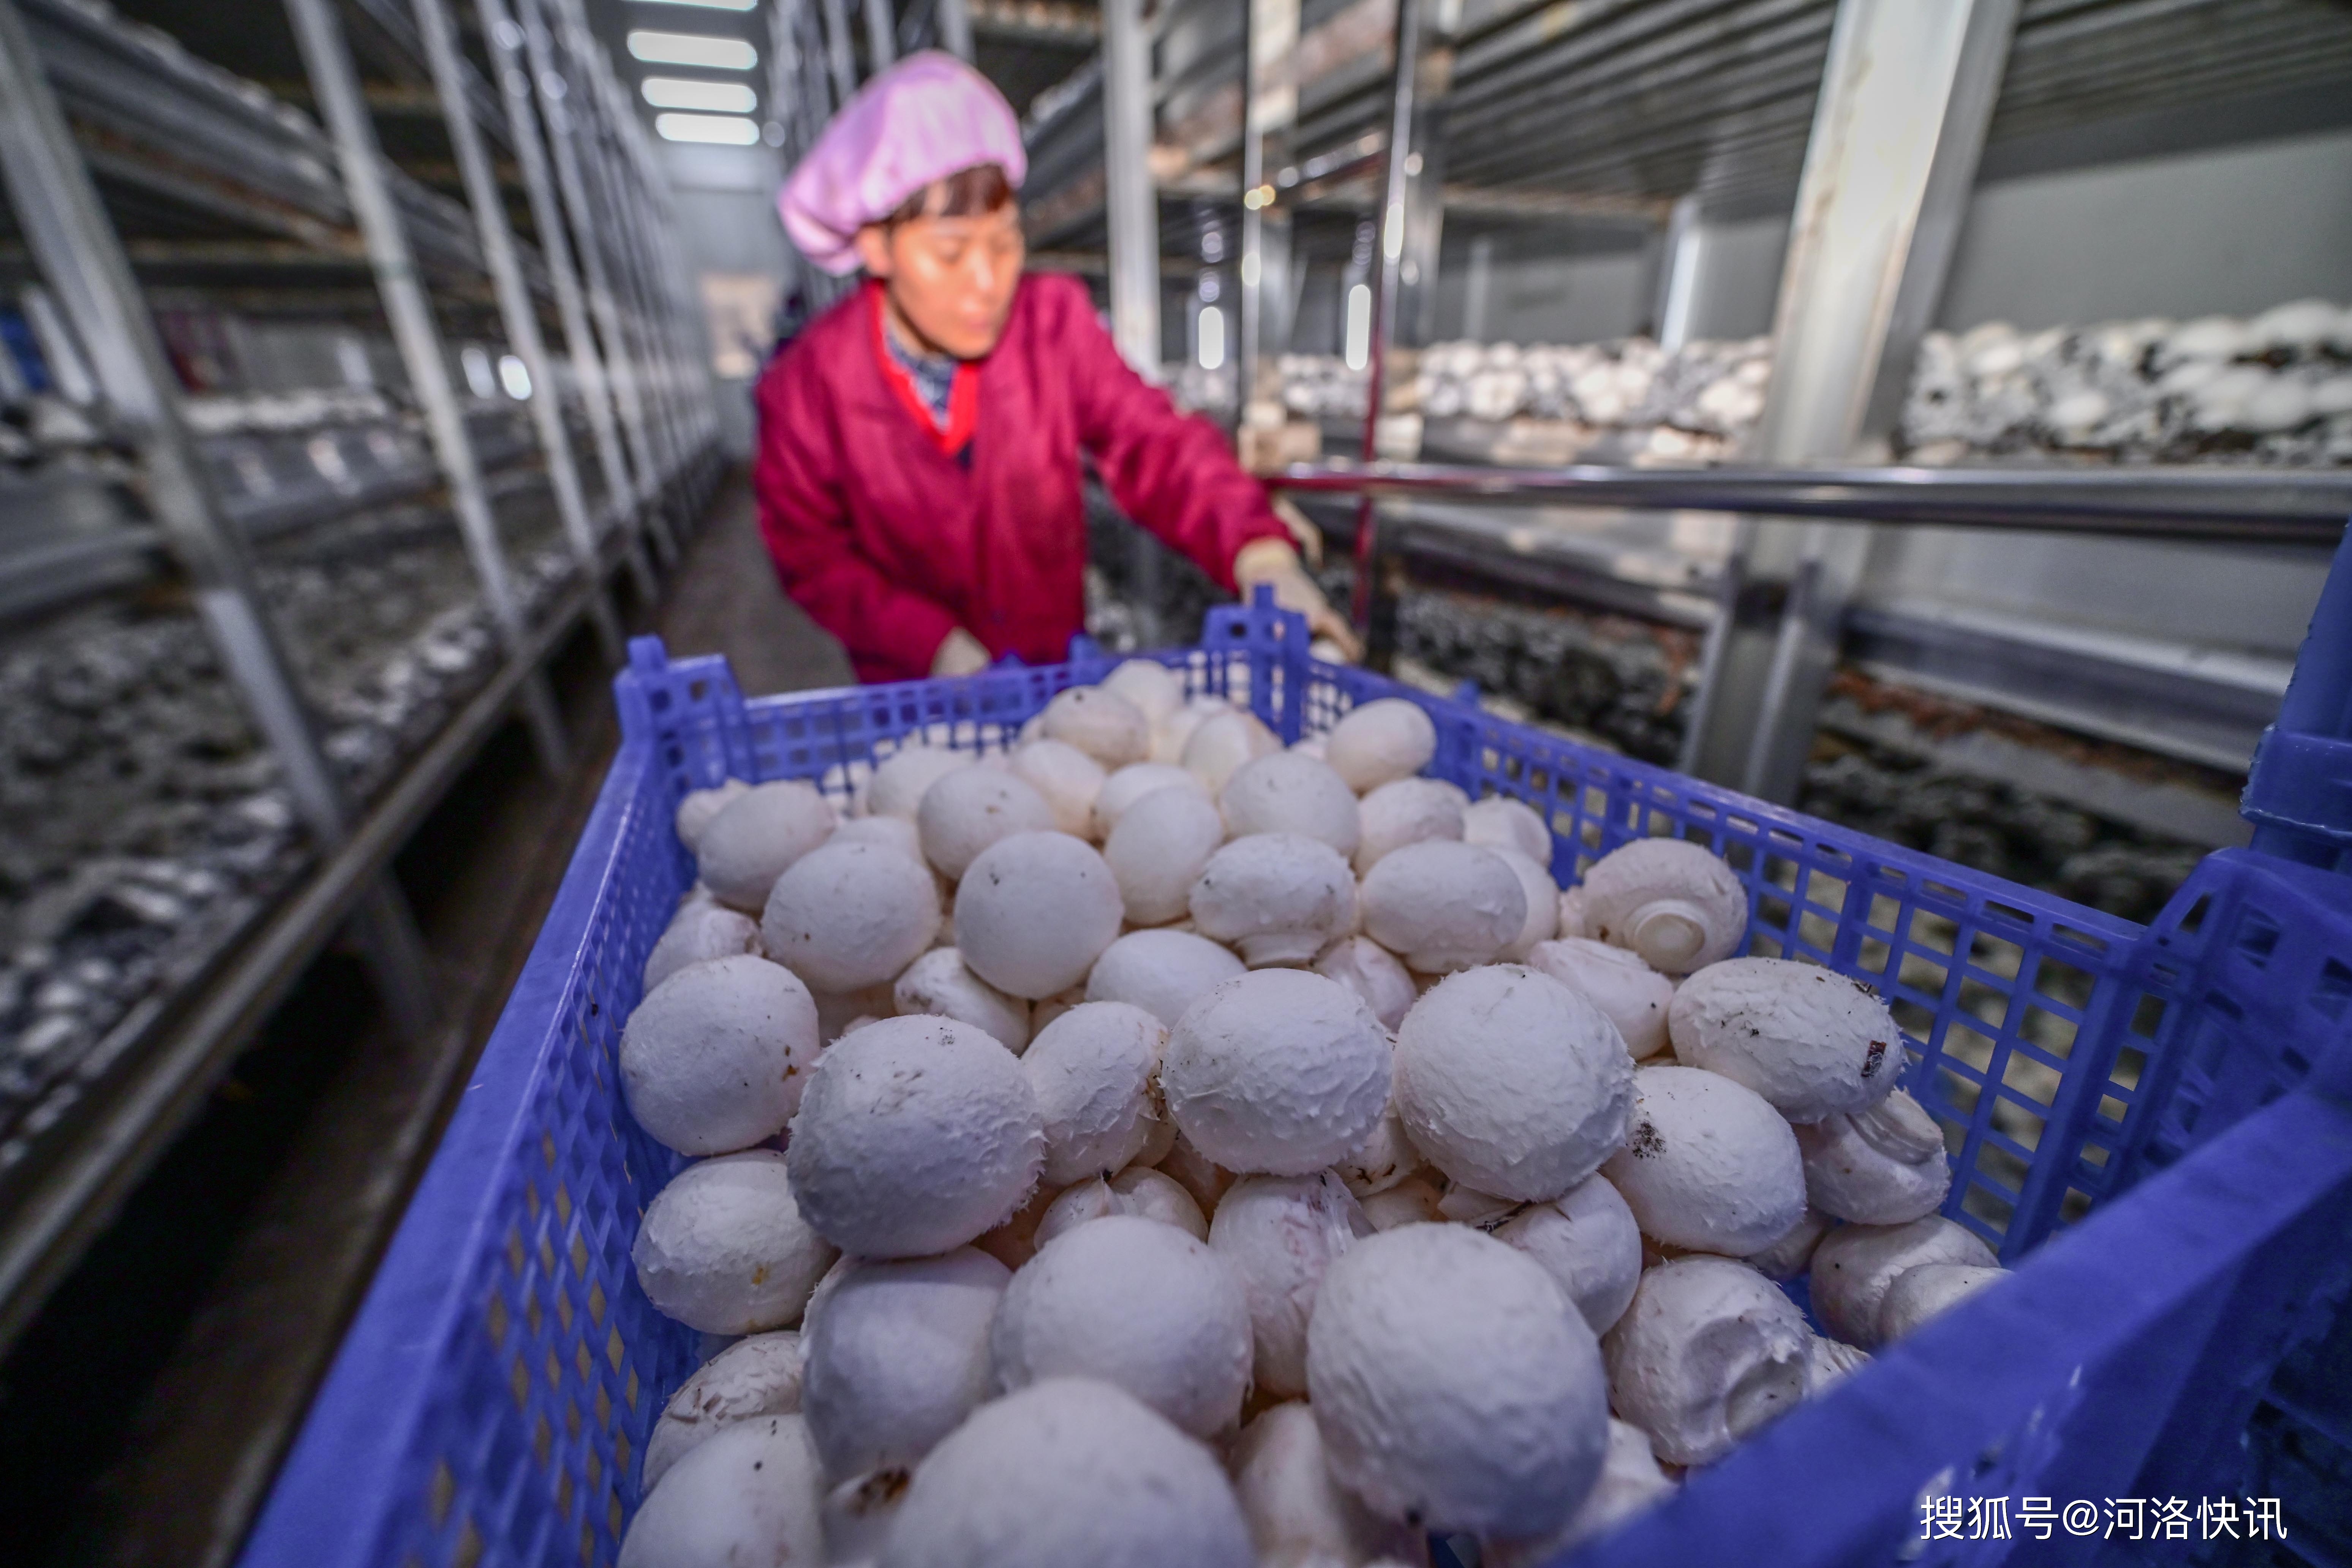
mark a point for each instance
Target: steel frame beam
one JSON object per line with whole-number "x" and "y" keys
{"x": 1131, "y": 202}
{"x": 1270, "y": 115}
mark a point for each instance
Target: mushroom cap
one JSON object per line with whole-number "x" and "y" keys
{"x": 897, "y": 833}
{"x": 1573, "y": 921}
{"x": 1384, "y": 1159}
{"x": 725, "y": 1249}
{"x": 1855, "y": 1264}
{"x": 1158, "y": 850}
{"x": 1793, "y": 1254}
{"x": 1140, "y": 1191}
{"x": 1161, "y": 972}
{"x": 1203, "y": 1178}
{"x": 756, "y": 1376}
{"x": 1138, "y": 1304}
{"x": 1456, "y": 1387}
{"x": 1444, "y": 906}
{"x": 1380, "y": 741}
{"x": 858, "y": 1514}
{"x": 1707, "y": 1164}
{"x": 1885, "y": 1165}
{"x": 1672, "y": 901}
{"x": 1414, "y": 1201}
{"x": 1810, "y": 1040}
{"x": 1299, "y": 1515}
{"x": 698, "y": 933}
{"x": 1402, "y": 811}
{"x": 850, "y": 915}
{"x": 1137, "y": 782}
{"x": 1590, "y": 1244}
{"x": 1834, "y": 1359}
{"x": 915, "y": 1136}
{"x": 1928, "y": 1290}
{"x": 1708, "y": 1352}
{"x": 1280, "y": 1070}
{"x": 969, "y": 809}
{"x": 1632, "y": 995}
{"x": 938, "y": 983}
{"x": 1511, "y": 1083}
{"x": 1092, "y": 1071}
{"x": 1500, "y": 820}
{"x": 1035, "y": 911}
{"x": 756, "y": 837}
{"x": 696, "y": 809}
{"x": 904, "y": 777}
{"x": 1069, "y": 1473}
{"x": 1067, "y": 778}
{"x": 898, "y": 1357}
{"x": 1279, "y": 897}
{"x": 1284, "y": 792}
{"x": 1156, "y": 691}
{"x": 1279, "y": 1235}
{"x": 1372, "y": 972}
{"x": 1543, "y": 902}
{"x": 1099, "y": 723}
{"x": 1171, "y": 735}
{"x": 1222, "y": 742}
{"x": 751, "y": 1494}
{"x": 1630, "y": 1482}
{"x": 715, "y": 1057}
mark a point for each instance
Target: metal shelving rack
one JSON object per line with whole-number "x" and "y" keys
{"x": 142, "y": 176}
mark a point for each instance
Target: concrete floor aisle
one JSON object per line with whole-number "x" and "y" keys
{"x": 143, "y": 1413}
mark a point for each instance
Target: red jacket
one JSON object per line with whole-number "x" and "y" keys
{"x": 890, "y": 544}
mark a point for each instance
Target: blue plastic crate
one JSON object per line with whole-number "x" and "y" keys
{"x": 491, "y": 1400}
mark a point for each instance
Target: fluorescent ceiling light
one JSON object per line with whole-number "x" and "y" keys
{"x": 718, "y": 97}
{"x": 693, "y": 49}
{"x": 515, "y": 376}
{"x": 724, "y": 129}
{"x": 707, "y": 4}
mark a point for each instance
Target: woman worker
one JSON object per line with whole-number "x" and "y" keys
{"x": 917, "y": 470}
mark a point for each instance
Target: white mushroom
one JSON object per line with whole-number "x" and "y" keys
{"x": 1069, "y": 1473}
{"x": 898, "y": 1357}
{"x": 698, "y": 807}
{"x": 1092, "y": 1071}
{"x": 1279, "y": 897}
{"x": 1632, "y": 995}
{"x": 1573, "y": 921}
{"x": 971, "y": 808}
{"x": 1793, "y": 1254}
{"x": 839, "y": 1012}
{"x": 1385, "y": 739}
{"x": 1136, "y": 1303}
{"x": 940, "y": 985}
{"x": 756, "y": 1376}
{"x": 858, "y": 1514}
{"x": 1709, "y": 1352}
{"x": 1414, "y": 1201}
{"x": 1885, "y": 1165}
{"x": 1372, "y": 972}
{"x": 1280, "y": 1235}
{"x": 1156, "y": 691}
{"x": 1812, "y": 1042}
{"x": 1280, "y": 1070}
{"x": 1855, "y": 1264}
{"x": 1158, "y": 850}
{"x": 1198, "y": 1174}
{"x": 1444, "y": 906}
{"x": 1384, "y": 1159}
{"x": 1455, "y": 1388}
{"x": 1224, "y": 741}
{"x": 850, "y": 915}
{"x": 1511, "y": 1083}
{"x": 1285, "y": 793}
{"x": 700, "y": 931}
{"x": 724, "y": 1248}
{"x": 1630, "y": 1482}
{"x": 1099, "y": 723}
{"x": 1139, "y": 1190}
{"x": 897, "y": 833}
{"x": 1172, "y": 735}
{"x": 916, "y": 1136}
{"x": 1674, "y": 902}
{"x": 1408, "y": 811}
{"x": 1590, "y": 1244}
{"x": 1833, "y": 1359}
{"x": 1927, "y": 1290}
{"x": 1161, "y": 972}
{"x": 1500, "y": 820}
{"x": 1299, "y": 1515}
{"x": 1130, "y": 784}
{"x": 1543, "y": 902}
{"x": 1067, "y": 778}
{"x": 754, "y": 837}
{"x": 715, "y": 1057}
{"x": 905, "y": 776}
{"x": 1048, "y": 1009}
{"x": 1480, "y": 1210}
{"x": 1707, "y": 1164}
{"x": 1033, "y": 913}
{"x": 751, "y": 1494}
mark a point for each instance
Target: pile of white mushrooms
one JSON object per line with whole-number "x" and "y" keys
{"x": 1162, "y": 1146}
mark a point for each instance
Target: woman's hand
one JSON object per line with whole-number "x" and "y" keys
{"x": 959, "y": 653}
{"x": 1273, "y": 562}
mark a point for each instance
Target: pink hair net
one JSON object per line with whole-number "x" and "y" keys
{"x": 926, "y": 118}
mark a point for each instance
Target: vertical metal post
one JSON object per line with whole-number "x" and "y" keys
{"x": 954, "y": 18}
{"x": 837, "y": 52}
{"x": 1678, "y": 274}
{"x": 881, "y": 46}
{"x": 1478, "y": 287}
{"x": 517, "y": 311}
{"x": 75, "y": 248}
{"x": 1906, "y": 97}
{"x": 334, "y": 83}
{"x": 1131, "y": 202}
{"x": 1270, "y": 114}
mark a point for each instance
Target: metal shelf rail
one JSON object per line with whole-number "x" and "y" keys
{"x": 90, "y": 103}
